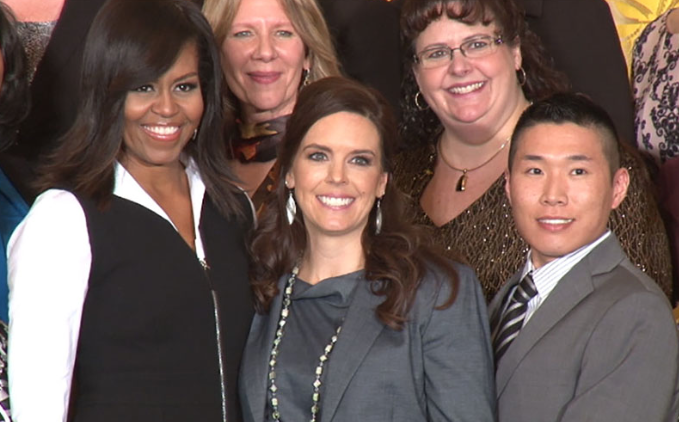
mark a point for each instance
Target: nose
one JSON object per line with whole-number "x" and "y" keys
{"x": 336, "y": 173}
{"x": 265, "y": 49}
{"x": 555, "y": 191}
{"x": 459, "y": 64}
{"x": 165, "y": 104}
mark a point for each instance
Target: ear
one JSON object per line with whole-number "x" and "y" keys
{"x": 507, "y": 187}
{"x": 289, "y": 180}
{"x": 620, "y": 185}
{"x": 516, "y": 53}
{"x": 308, "y": 62}
{"x": 382, "y": 184}
{"x": 416, "y": 74}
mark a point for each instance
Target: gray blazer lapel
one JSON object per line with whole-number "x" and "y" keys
{"x": 571, "y": 290}
{"x": 566, "y": 295}
{"x": 359, "y": 331}
{"x": 256, "y": 365}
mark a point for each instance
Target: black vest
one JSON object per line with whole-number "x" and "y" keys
{"x": 148, "y": 344}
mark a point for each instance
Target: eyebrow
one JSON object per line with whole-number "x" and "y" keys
{"x": 253, "y": 24}
{"x": 574, "y": 157}
{"x": 326, "y": 149}
{"x": 187, "y": 76}
{"x": 464, "y": 40}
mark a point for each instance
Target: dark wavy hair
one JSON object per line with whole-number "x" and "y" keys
{"x": 14, "y": 95}
{"x": 542, "y": 79}
{"x": 132, "y": 43}
{"x": 396, "y": 260}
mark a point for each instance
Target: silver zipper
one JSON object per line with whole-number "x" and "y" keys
{"x": 218, "y": 333}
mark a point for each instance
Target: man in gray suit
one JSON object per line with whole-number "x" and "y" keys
{"x": 580, "y": 333}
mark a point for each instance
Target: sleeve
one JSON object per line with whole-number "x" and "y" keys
{"x": 49, "y": 262}
{"x": 458, "y": 363}
{"x": 629, "y": 369}
{"x": 581, "y": 37}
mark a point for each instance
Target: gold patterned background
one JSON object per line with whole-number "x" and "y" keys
{"x": 632, "y": 16}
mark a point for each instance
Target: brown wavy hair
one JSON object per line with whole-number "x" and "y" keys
{"x": 542, "y": 79}
{"x": 396, "y": 260}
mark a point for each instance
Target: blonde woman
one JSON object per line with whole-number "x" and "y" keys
{"x": 270, "y": 50}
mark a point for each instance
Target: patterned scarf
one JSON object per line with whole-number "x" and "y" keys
{"x": 258, "y": 142}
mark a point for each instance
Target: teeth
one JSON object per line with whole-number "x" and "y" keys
{"x": 466, "y": 89}
{"x": 556, "y": 220}
{"x": 335, "y": 202}
{"x": 163, "y": 130}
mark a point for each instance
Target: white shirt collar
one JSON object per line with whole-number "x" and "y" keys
{"x": 547, "y": 276}
{"x": 128, "y": 188}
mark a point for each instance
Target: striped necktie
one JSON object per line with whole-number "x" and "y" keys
{"x": 512, "y": 318}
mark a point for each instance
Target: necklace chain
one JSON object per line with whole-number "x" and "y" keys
{"x": 462, "y": 181}
{"x": 273, "y": 356}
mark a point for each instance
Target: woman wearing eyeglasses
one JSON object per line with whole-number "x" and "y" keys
{"x": 474, "y": 67}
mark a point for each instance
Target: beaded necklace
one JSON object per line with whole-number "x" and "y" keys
{"x": 273, "y": 356}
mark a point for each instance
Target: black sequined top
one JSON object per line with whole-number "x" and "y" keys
{"x": 35, "y": 36}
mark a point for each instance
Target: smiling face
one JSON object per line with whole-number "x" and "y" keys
{"x": 161, "y": 116}
{"x": 465, "y": 90}
{"x": 263, "y": 58}
{"x": 337, "y": 175}
{"x": 561, "y": 190}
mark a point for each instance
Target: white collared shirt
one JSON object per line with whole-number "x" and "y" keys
{"x": 49, "y": 259}
{"x": 548, "y": 276}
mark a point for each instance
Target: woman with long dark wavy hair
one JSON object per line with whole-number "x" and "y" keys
{"x": 358, "y": 318}
{"x": 129, "y": 297}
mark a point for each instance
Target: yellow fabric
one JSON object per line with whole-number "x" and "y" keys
{"x": 632, "y": 16}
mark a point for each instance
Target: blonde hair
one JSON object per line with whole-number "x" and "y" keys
{"x": 306, "y": 18}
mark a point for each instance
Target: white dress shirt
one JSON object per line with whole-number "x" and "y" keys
{"x": 49, "y": 260}
{"x": 548, "y": 276}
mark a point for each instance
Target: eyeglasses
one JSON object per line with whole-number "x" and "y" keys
{"x": 474, "y": 48}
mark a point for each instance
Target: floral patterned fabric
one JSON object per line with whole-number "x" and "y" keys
{"x": 631, "y": 18}
{"x": 655, "y": 81}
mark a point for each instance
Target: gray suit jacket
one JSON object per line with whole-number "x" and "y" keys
{"x": 438, "y": 368}
{"x": 602, "y": 347}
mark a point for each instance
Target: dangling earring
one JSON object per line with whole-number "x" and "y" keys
{"x": 378, "y": 217}
{"x": 290, "y": 207}
{"x": 195, "y": 133}
{"x": 521, "y": 76}
{"x": 418, "y": 104}
{"x": 305, "y": 77}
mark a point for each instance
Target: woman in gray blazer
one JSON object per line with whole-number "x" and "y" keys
{"x": 358, "y": 319}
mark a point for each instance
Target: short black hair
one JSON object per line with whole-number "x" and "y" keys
{"x": 570, "y": 108}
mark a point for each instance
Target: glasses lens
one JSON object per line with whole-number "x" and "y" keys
{"x": 435, "y": 57}
{"x": 478, "y": 47}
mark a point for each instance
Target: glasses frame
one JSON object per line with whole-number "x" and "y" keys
{"x": 494, "y": 42}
